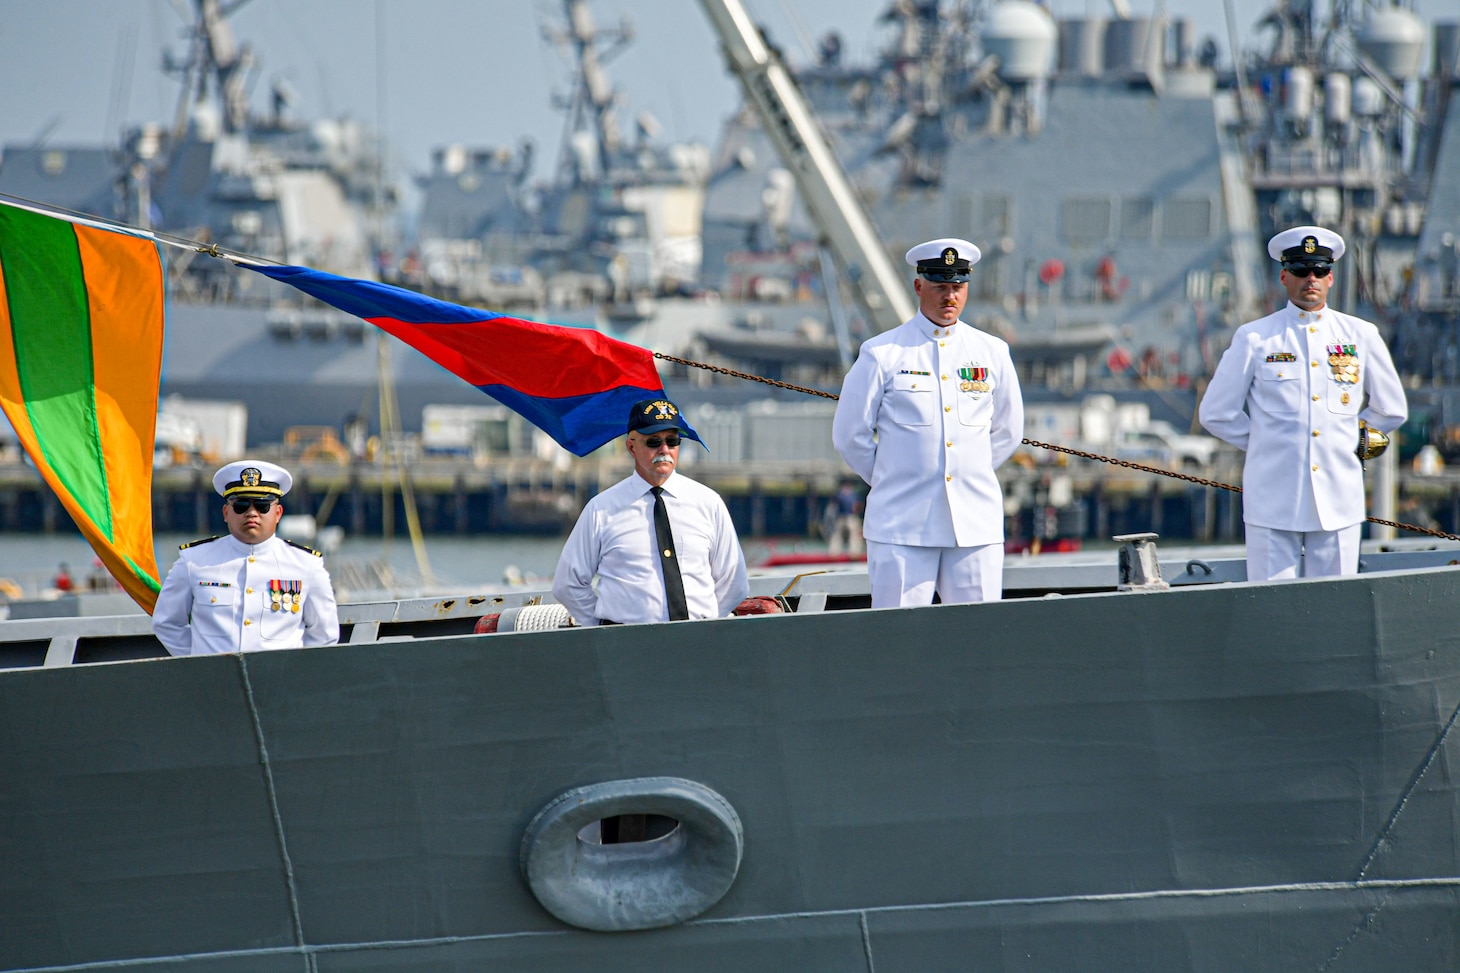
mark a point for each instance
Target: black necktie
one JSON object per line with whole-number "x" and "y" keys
{"x": 673, "y": 583}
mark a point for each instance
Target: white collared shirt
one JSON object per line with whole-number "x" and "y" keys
{"x": 614, "y": 540}
{"x": 1276, "y": 395}
{"x": 219, "y": 596}
{"x": 926, "y": 415}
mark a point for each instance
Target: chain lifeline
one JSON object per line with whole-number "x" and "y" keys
{"x": 1126, "y": 464}
{"x": 747, "y": 376}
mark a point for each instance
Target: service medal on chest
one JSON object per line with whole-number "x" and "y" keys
{"x": 1343, "y": 360}
{"x": 975, "y": 378}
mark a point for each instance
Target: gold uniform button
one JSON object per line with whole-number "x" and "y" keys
{"x": 1315, "y": 433}
{"x": 1311, "y": 330}
{"x": 945, "y": 378}
{"x": 950, "y": 479}
{"x": 1315, "y": 364}
{"x": 1315, "y": 469}
{"x": 248, "y": 621}
{"x": 942, "y": 343}
{"x": 950, "y": 444}
{"x": 947, "y": 408}
{"x": 250, "y": 559}
{"x": 248, "y": 591}
{"x": 1315, "y": 398}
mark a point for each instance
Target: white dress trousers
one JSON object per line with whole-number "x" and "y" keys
{"x": 1274, "y": 555}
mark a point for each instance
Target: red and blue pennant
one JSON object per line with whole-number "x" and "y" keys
{"x": 574, "y": 384}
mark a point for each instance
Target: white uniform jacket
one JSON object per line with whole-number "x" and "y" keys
{"x": 220, "y": 596}
{"x": 1303, "y": 378}
{"x": 926, "y": 415}
{"x": 614, "y": 540}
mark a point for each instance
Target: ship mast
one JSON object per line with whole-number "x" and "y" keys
{"x": 592, "y": 107}
{"x": 215, "y": 58}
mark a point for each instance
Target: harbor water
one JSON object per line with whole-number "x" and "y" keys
{"x": 32, "y": 561}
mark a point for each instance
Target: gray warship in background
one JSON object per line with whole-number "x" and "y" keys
{"x": 1120, "y": 182}
{"x": 1119, "y": 179}
{"x": 1122, "y": 187}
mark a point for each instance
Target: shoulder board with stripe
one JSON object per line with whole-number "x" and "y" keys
{"x": 303, "y": 548}
{"x": 204, "y": 540}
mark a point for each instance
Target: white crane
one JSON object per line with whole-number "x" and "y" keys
{"x": 834, "y": 205}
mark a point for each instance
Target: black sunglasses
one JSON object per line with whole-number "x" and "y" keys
{"x": 654, "y": 442}
{"x": 262, "y": 505}
{"x": 1310, "y": 271}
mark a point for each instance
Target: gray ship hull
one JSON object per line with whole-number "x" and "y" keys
{"x": 1219, "y": 777}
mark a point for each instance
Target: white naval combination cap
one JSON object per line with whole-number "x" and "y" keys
{"x": 944, "y": 261}
{"x": 252, "y": 478}
{"x": 1306, "y": 245}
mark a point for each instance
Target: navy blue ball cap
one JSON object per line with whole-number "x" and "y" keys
{"x": 654, "y": 415}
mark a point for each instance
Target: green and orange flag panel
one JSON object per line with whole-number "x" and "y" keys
{"x": 81, "y": 324}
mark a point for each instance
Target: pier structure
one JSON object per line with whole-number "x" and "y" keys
{"x": 516, "y": 495}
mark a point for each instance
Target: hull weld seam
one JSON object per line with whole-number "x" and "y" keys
{"x": 1444, "y": 882}
{"x": 1409, "y": 789}
{"x": 1440, "y": 882}
{"x": 866, "y": 941}
{"x": 1367, "y": 921}
{"x": 258, "y": 730}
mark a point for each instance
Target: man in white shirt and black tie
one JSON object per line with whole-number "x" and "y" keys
{"x": 662, "y": 546}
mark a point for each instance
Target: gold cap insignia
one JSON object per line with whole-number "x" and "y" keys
{"x": 665, "y": 410}
{"x": 250, "y": 477}
{"x": 950, "y": 256}
{"x": 1310, "y": 244}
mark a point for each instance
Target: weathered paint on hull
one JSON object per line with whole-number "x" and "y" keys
{"x": 1215, "y": 778}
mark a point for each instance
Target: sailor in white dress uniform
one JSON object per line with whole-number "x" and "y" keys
{"x": 249, "y": 590}
{"x": 1292, "y": 391}
{"x": 927, "y": 413}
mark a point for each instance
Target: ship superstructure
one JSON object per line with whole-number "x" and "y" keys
{"x": 615, "y": 227}
{"x": 1119, "y": 182}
